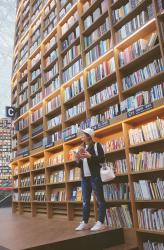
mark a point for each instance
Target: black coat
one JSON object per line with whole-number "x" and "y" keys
{"x": 94, "y": 161}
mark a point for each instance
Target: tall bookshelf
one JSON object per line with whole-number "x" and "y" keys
{"x": 5, "y": 152}
{"x": 56, "y": 50}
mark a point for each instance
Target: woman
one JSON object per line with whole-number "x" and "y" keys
{"x": 89, "y": 163}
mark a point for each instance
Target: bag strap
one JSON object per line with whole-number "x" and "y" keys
{"x": 95, "y": 148}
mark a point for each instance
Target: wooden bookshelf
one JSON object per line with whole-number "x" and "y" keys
{"x": 39, "y": 76}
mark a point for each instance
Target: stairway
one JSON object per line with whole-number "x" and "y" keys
{"x": 5, "y": 198}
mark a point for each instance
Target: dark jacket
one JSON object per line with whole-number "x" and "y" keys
{"x": 94, "y": 161}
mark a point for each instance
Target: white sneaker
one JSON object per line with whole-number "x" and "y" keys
{"x": 98, "y": 226}
{"x": 82, "y": 226}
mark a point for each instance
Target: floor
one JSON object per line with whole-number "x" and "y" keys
{"x": 17, "y": 232}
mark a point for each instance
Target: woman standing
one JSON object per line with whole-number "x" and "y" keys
{"x": 89, "y": 163}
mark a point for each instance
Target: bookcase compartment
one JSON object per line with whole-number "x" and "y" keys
{"x": 39, "y": 209}
{"x": 57, "y": 210}
{"x": 26, "y": 208}
{"x": 75, "y": 211}
{"x": 149, "y": 239}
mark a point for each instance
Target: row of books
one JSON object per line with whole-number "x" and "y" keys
{"x": 137, "y": 48}
{"x": 35, "y": 59}
{"x": 66, "y": 8}
{"x": 142, "y": 98}
{"x": 26, "y": 196}
{"x": 96, "y": 34}
{"x": 74, "y": 89}
{"x": 54, "y": 121}
{"x": 160, "y": 5}
{"x": 49, "y": 7}
{"x": 137, "y": 22}
{"x": 40, "y": 195}
{"x": 104, "y": 95}
{"x": 52, "y": 72}
{"x": 71, "y": 154}
{"x": 52, "y": 57}
{"x": 115, "y": 144}
{"x": 25, "y": 167}
{"x": 35, "y": 73}
{"x": 50, "y": 22}
{"x": 57, "y": 176}
{"x": 71, "y": 38}
{"x": 23, "y": 96}
{"x": 39, "y": 179}
{"x": 146, "y": 161}
{"x": 37, "y": 144}
{"x": 119, "y": 166}
{"x": 36, "y": 86}
{"x": 151, "y": 218}
{"x": 50, "y": 43}
{"x": 76, "y": 194}
{"x": 37, "y": 114}
{"x": 116, "y": 191}
{"x": 54, "y": 137}
{"x": 151, "y": 131}
{"x": 70, "y": 22}
{"x": 38, "y": 163}
{"x": 75, "y": 110}
{"x": 90, "y": 19}
{"x": 72, "y": 70}
{"x": 56, "y": 159}
{"x": 37, "y": 98}
{"x": 36, "y": 130}
{"x": 100, "y": 49}
{"x": 25, "y": 182}
{"x": 101, "y": 71}
{"x": 153, "y": 245}
{"x": 143, "y": 74}
{"x": 53, "y": 104}
{"x": 58, "y": 195}
{"x": 24, "y": 109}
{"x": 23, "y": 85}
{"x": 74, "y": 174}
{"x": 55, "y": 84}
{"x": 124, "y": 10}
{"x": 35, "y": 39}
{"x": 119, "y": 217}
{"x": 71, "y": 54}
{"x": 149, "y": 190}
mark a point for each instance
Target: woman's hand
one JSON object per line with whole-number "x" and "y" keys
{"x": 86, "y": 154}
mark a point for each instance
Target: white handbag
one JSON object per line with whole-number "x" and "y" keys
{"x": 106, "y": 171}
